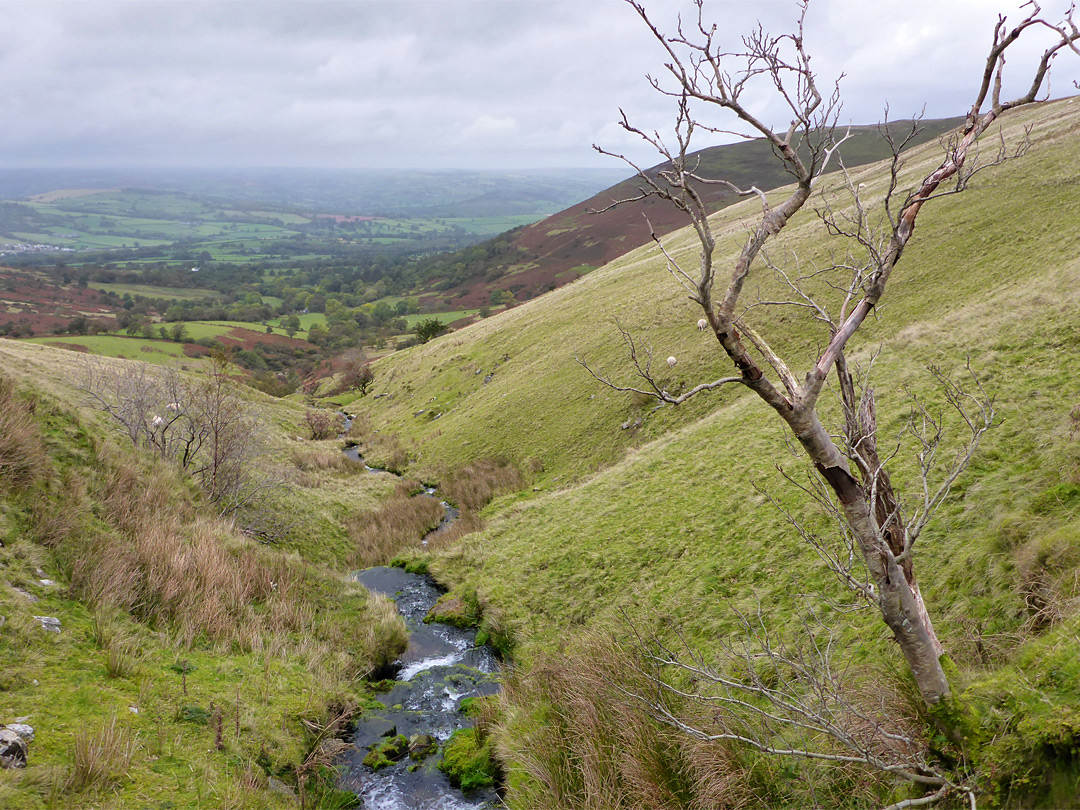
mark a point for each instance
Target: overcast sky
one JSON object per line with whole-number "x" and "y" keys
{"x": 424, "y": 83}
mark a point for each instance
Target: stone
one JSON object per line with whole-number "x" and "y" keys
{"x": 50, "y": 624}
{"x": 12, "y": 749}
{"x": 24, "y": 594}
{"x": 22, "y": 729}
{"x": 421, "y": 746}
{"x": 277, "y": 786}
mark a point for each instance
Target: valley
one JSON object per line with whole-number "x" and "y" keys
{"x": 599, "y": 535}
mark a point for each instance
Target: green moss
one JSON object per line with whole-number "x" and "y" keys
{"x": 468, "y": 762}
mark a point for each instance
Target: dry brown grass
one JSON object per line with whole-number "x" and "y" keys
{"x": 400, "y": 523}
{"x": 600, "y": 748}
{"x": 473, "y": 486}
{"x": 320, "y": 458}
{"x": 22, "y": 452}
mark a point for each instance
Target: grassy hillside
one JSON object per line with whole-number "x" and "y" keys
{"x": 663, "y": 520}
{"x": 194, "y": 666}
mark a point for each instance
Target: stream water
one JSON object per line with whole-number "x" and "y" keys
{"x": 440, "y": 668}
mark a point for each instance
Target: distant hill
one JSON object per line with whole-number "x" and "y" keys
{"x": 381, "y": 192}
{"x": 539, "y": 257}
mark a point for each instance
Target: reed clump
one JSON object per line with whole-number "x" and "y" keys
{"x": 22, "y": 452}
{"x": 400, "y": 523}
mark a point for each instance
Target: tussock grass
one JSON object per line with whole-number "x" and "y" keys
{"x": 400, "y": 523}
{"x": 596, "y": 748}
{"x": 22, "y": 454}
{"x": 102, "y": 757}
{"x": 319, "y": 458}
{"x": 473, "y": 486}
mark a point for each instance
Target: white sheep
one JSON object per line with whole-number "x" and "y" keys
{"x": 702, "y": 325}
{"x": 671, "y": 361}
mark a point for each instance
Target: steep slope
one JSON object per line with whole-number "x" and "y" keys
{"x": 674, "y": 533}
{"x": 566, "y": 245}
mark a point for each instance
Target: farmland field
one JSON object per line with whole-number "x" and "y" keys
{"x": 161, "y": 352}
{"x": 150, "y": 291}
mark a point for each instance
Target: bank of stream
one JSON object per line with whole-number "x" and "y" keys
{"x": 442, "y": 667}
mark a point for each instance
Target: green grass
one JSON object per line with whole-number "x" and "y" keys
{"x": 445, "y": 317}
{"x": 149, "y": 351}
{"x": 151, "y": 291}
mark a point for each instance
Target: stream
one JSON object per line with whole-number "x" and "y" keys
{"x": 441, "y": 667}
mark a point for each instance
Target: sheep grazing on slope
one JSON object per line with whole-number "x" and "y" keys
{"x": 671, "y": 361}
{"x": 702, "y": 325}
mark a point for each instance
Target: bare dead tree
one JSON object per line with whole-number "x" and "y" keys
{"x": 201, "y": 424}
{"x": 701, "y": 72}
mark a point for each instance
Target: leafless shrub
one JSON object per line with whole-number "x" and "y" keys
{"x": 323, "y": 424}
{"x": 101, "y": 757}
{"x": 202, "y": 425}
{"x": 22, "y": 453}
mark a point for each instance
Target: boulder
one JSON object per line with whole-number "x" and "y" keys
{"x": 22, "y": 729}
{"x": 12, "y": 749}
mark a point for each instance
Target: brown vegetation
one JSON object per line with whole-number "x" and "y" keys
{"x": 22, "y": 455}
{"x": 599, "y": 749}
{"x": 473, "y": 486}
{"x": 323, "y": 424}
{"x": 398, "y": 524}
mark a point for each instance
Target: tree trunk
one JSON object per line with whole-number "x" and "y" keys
{"x": 898, "y": 596}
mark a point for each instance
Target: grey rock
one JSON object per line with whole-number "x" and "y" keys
{"x": 12, "y": 749}
{"x": 50, "y": 624}
{"x": 24, "y": 594}
{"x": 22, "y": 729}
{"x": 277, "y": 786}
{"x": 421, "y": 746}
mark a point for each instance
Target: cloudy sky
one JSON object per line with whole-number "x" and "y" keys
{"x": 424, "y": 83}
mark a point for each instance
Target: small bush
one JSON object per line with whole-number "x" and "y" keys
{"x": 323, "y": 424}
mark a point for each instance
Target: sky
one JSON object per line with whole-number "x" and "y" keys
{"x": 431, "y": 84}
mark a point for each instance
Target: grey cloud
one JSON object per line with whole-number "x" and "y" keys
{"x": 422, "y": 83}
